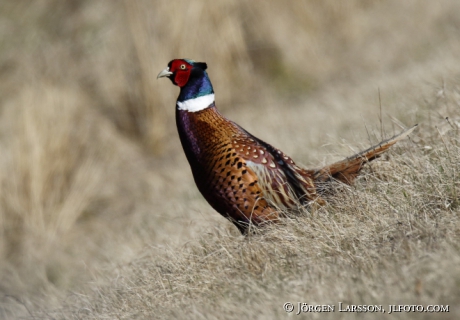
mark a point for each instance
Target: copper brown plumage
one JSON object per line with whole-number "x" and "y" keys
{"x": 242, "y": 177}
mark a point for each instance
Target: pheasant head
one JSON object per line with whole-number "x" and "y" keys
{"x": 196, "y": 92}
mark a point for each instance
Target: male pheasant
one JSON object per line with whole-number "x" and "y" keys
{"x": 242, "y": 177}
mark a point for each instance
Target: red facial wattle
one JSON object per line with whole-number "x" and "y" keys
{"x": 181, "y": 72}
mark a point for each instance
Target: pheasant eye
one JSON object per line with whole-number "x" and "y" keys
{"x": 182, "y": 66}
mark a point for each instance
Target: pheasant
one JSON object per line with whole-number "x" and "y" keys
{"x": 245, "y": 179}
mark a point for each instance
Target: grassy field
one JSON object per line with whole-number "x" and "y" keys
{"x": 99, "y": 215}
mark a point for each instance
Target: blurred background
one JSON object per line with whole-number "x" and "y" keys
{"x": 91, "y": 168}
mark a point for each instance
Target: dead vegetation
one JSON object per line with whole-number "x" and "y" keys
{"x": 391, "y": 239}
{"x": 99, "y": 216}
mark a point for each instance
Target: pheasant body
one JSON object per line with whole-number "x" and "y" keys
{"x": 242, "y": 177}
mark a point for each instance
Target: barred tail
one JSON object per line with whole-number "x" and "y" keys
{"x": 347, "y": 169}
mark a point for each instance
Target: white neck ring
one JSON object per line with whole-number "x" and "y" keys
{"x": 196, "y": 104}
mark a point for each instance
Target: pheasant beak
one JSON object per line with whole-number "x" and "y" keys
{"x": 164, "y": 73}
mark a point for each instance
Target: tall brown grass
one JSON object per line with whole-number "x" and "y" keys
{"x": 391, "y": 239}
{"x": 92, "y": 171}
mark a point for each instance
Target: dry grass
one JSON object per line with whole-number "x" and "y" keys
{"x": 391, "y": 239}
{"x": 94, "y": 185}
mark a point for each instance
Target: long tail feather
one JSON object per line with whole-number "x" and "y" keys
{"x": 347, "y": 169}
